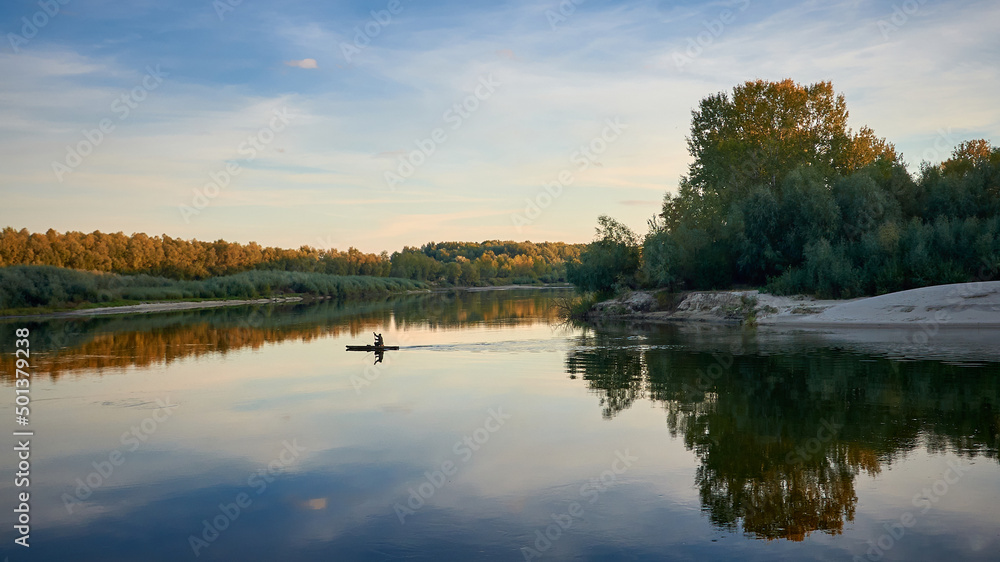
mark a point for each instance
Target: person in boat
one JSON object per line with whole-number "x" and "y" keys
{"x": 378, "y": 340}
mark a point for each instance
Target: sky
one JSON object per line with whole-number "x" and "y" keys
{"x": 386, "y": 123}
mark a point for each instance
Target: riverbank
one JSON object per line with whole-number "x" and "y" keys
{"x": 965, "y": 305}
{"x": 173, "y": 306}
{"x": 510, "y": 287}
{"x": 152, "y": 307}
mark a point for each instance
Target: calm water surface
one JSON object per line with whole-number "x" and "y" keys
{"x": 498, "y": 433}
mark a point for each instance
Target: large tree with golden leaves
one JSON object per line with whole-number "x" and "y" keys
{"x": 757, "y": 135}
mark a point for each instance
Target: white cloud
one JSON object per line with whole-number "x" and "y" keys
{"x": 557, "y": 87}
{"x": 304, "y": 63}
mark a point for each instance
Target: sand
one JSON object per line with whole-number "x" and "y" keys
{"x": 954, "y": 323}
{"x": 961, "y": 305}
{"x": 151, "y": 307}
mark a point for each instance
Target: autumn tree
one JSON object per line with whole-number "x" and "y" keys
{"x": 968, "y": 154}
{"x": 758, "y": 135}
{"x": 765, "y": 158}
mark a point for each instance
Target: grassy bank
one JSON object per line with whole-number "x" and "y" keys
{"x": 46, "y": 287}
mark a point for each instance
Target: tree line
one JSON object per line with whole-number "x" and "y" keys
{"x": 489, "y": 263}
{"x": 174, "y": 258}
{"x": 464, "y": 263}
{"x": 30, "y": 286}
{"x": 783, "y": 195}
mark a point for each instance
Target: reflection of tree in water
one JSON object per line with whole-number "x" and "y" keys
{"x": 615, "y": 374}
{"x": 113, "y": 342}
{"x": 781, "y": 438}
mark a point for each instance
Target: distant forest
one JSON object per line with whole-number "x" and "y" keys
{"x": 782, "y": 195}
{"x": 74, "y": 269}
{"x": 454, "y": 263}
{"x": 32, "y": 286}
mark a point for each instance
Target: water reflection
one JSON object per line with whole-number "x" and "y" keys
{"x": 777, "y": 433}
{"x": 113, "y": 342}
{"x": 782, "y": 438}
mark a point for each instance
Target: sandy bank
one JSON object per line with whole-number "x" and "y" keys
{"x": 147, "y": 308}
{"x": 961, "y": 305}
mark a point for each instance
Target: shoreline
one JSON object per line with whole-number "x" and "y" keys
{"x": 959, "y": 305}
{"x": 153, "y": 307}
{"x": 174, "y": 306}
{"x": 505, "y": 288}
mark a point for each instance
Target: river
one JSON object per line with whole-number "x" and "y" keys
{"x": 496, "y": 432}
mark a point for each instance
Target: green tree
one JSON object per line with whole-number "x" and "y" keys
{"x": 659, "y": 256}
{"x": 767, "y": 129}
{"x": 756, "y": 221}
{"x": 608, "y": 263}
{"x": 808, "y": 212}
{"x": 759, "y": 188}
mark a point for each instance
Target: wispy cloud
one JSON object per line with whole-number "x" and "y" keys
{"x": 557, "y": 87}
{"x": 304, "y": 63}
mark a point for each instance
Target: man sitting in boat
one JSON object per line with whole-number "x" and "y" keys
{"x": 378, "y": 340}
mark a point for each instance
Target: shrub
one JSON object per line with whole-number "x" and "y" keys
{"x": 34, "y": 286}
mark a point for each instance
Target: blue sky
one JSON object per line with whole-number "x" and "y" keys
{"x": 200, "y": 78}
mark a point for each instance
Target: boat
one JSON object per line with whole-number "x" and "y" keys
{"x": 372, "y": 347}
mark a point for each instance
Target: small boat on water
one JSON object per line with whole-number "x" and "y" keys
{"x": 378, "y": 347}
